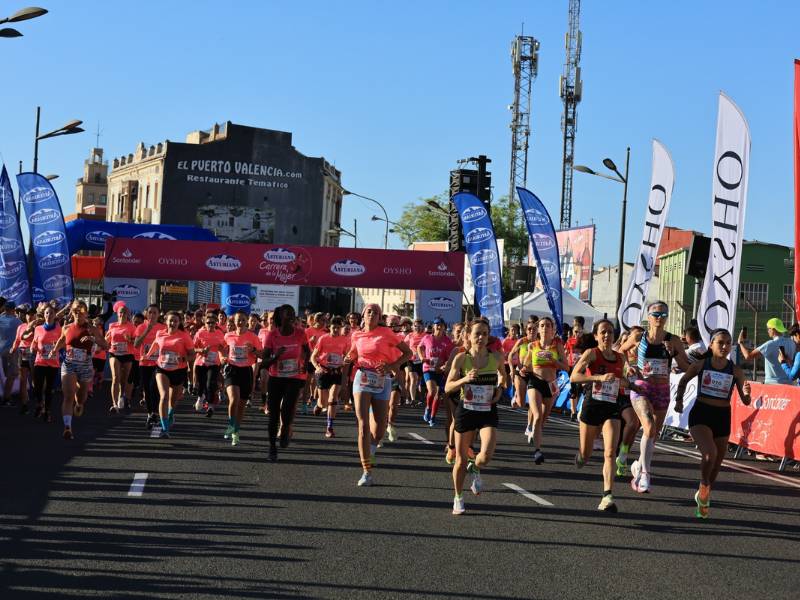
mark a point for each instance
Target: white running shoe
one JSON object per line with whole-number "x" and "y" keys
{"x": 527, "y": 431}
{"x": 458, "y": 505}
{"x": 391, "y": 433}
{"x": 121, "y": 403}
{"x": 607, "y": 504}
{"x": 198, "y": 406}
{"x": 644, "y": 482}
{"x": 366, "y": 479}
{"x": 477, "y": 483}
{"x": 529, "y": 434}
{"x": 636, "y": 474}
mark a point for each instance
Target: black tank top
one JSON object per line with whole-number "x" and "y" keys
{"x": 713, "y": 383}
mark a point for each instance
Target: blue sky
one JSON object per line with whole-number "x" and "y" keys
{"x": 396, "y": 93}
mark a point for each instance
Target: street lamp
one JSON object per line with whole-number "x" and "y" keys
{"x": 8, "y": 32}
{"x": 66, "y": 129}
{"x": 21, "y": 15}
{"x": 623, "y": 179}
{"x": 435, "y": 206}
{"x": 386, "y": 229}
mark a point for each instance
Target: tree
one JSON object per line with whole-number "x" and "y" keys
{"x": 421, "y": 223}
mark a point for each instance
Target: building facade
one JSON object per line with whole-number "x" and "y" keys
{"x": 91, "y": 190}
{"x": 604, "y": 288}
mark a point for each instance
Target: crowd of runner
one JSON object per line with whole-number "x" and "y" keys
{"x": 373, "y": 364}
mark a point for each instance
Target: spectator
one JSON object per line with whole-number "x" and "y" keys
{"x": 695, "y": 350}
{"x": 773, "y": 372}
{"x": 793, "y": 371}
{"x": 8, "y": 332}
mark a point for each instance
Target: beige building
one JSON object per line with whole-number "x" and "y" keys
{"x": 91, "y": 190}
{"x": 391, "y": 299}
{"x": 133, "y": 186}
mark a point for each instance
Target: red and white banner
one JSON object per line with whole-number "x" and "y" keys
{"x": 289, "y": 265}
{"x": 771, "y": 424}
{"x": 728, "y": 206}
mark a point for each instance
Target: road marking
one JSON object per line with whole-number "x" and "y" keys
{"x": 155, "y": 431}
{"x": 137, "y": 486}
{"x": 527, "y": 494}
{"x": 419, "y": 438}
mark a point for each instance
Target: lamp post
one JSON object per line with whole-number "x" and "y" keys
{"x": 70, "y": 128}
{"x": 623, "y": 179}
{"x": 386, "y": 229}
{"x": 341, "y": 231}
{"x": 21, "y": 15}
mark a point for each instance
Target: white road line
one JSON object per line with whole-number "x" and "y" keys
{"x": 419, "y": 438}
{"x": 155, "y": 431}
{"x": 137, "y": 486}
{"x": 527, "y": 494}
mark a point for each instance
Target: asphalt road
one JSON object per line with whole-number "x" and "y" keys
{"x": 214, "y": 521}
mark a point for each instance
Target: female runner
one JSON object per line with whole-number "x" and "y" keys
{"x": 22, "y": 342}
{"x": 434, "y": 349}
{"x": 630, "y": 421}
{"x": 517, "y": 357}
{"x": 46, "y": 364}
{"x": 145, "y": 335}
{"x": 209, "y": 343}
{"x": 543, "y": 361}
{"x": 328, "y": 358}
{"x": 174, "y": 349}
{"x": 243, "y": 349}
{"x": 377, "y": 353}
{"x": 710, "y": 417}
{"x": 120, "y": 337}
{"x": 475, "y": 373}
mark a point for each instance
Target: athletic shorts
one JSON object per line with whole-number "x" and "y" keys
{"x": 241, "y": 377}
{"x": 176, "y": 377}
{"x": 416, "y": 368}
{"x": 360, "y": 382}
{"x": 470, "y": 420}
{"x": 716, "y": 418}
{"x": 328, "y": 379}
{"x": 595, "y": 413}
{"x": 123, "y": 358}
{"x": 25, "y": 364}
{"x": 82, "y": 369}
{"x": 656, "y": 393}
{"x": 99, "y": 364}
{"x": 437, "y": 378}
{"x": 624, "y": 401}
{"x": 540, "y": 385}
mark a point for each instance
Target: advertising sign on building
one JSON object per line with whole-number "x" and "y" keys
{"x": 576, "y": 252}
{"x": 268, "y": 297}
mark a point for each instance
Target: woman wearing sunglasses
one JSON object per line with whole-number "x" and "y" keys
{"x": 209, "y": 343}
{"x": 655, "y": 351}
{"x": 120, "y": 337}
{"x": 517, "y": 358}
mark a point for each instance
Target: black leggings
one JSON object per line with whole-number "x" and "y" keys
{"x": 43, "y": 380}
{"x": 149, "y": 388}
{"x": 207, "y": 381}
{"x": 282, "y": 393}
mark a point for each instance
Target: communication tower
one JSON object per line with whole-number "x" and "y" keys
{"x": 525, "y": 64}
{"x": 570, "y": 90}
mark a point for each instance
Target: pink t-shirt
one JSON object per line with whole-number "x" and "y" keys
{"x": 312, "y": 335}
{"x": 173, "y": 349}
{"x": 375, "y": 348}
{"x": 121, "y": 338}
{"x": 215, "y": 342}
{"x": 290, "y": 363}
{"x": 436, "y": 351}
{"x": 413, "y": 340}
{"x": 43, "y": 342}
{"x": 24, "y": 346}
{"x": 331, "y": 350}
{"x": 144, "y": 347}
{"x": 238, "y": 355}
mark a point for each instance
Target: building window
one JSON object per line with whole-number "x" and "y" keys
{"x": 103, "y": 199}
{"x": 754, "y": 293}
{"x": 787, "y": 306}
{"x": 90, "y": 199}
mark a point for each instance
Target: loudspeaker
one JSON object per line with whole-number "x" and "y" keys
{"x": 697, "y": 261}
{"x": 523, "y": 278}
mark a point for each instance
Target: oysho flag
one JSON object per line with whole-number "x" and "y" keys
{"x": 728, "y": 207}
{"x": 14, "y": 284}
{"x": 661, "y": 184}
{"x": 545, "y": 249}
{"x": 51, "y": 256}
{"x": 484, "y": 259}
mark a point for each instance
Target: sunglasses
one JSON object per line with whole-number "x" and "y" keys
{"x": 659, "y": 315}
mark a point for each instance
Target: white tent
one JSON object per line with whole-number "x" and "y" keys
{"x": 535, "y": 303}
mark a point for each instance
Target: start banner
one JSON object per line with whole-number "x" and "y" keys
{"x": 288, "y": 265}
{"x": 771, "y": 424}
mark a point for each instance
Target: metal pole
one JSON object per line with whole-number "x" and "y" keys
{"x": 622, "y": 230}
{"x": 696, "y": 303}
{"x": 385, "y": 247}
{"x": 355, "y": 245}
{"x": 36, "y": 142}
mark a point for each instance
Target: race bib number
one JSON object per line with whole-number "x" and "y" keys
{"x": 77, "y": 354}
{"x": 334, "y": 360}
{"x": 433, "y": 362}
{"x": 119, "y": 348}
{"x": 372, "y": 382}
{"x": 212, "y": 358}
{"x": 605, "y": 391}
{"x": 46, "y": 350}
{"x": 715, "y": 384}
{"x": 478, "y": 397}
{"x": 288, "y": 367}
{"x": 169, "y": 359}
{"x": 239, "y": 352}
{"x": 655, "y": 366}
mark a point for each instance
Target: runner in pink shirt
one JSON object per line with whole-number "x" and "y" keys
{"x": 267, "y": 325}
{"x": 210, "y": 345}
{"x": 22, "y": 342}
{"x": 145, "y": 335}
{"x": 243, "y": 349}
{"x": 415, "y": 365}
{"x": 434, "y": 350}
{"x": 378, "y": 355}
{"x": 46, "y": 365}
{"x": 172, "y": 349}
{"x": 328, "y": 360}
{"x": 120, "y": 337}
{"x": 398, "y": 384}
{"x": 285, "y": 354}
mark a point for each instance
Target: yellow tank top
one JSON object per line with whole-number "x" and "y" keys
{"x": 544, "y": 358}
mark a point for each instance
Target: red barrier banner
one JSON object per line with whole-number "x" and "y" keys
{"x": 234, "y": 262}
{"x": 771, "y": 424}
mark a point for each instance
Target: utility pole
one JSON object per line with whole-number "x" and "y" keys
{"x": 571, "y": 88}
{"x": 525, "y": 63}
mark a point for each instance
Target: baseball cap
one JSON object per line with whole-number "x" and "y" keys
{"x": 776, "y": 324}
{"x": 438, "y": 321}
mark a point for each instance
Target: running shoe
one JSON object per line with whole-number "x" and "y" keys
{"x": 171, "y": 419}
{"x": 477, "y": 483}
{"x": 703, "y": 499}
{"x": 67, "y": 433}
{"x": 471, "y": 468}
{"x": 607, "y": 504}
{"x": 538, "y": 457}
{"x": 121, "y": 402}
{"x": 458, "y": 505}
{"x": 273, "y": 454}
{"x": 579, "y": 461}
{"x": 198, "y": 406}
{"x": 636, "y": 473}
{"x": 163, "y": 433}
{"x": 209, "y": 412}
{"x": 248, "y": 404}
{"x": 235, "y": 438}
{"x": 113, "y": 410}
{"x": 622, "y": 467}
{"x": 432, "y": 422}
{"x": 228, "y": 431}
{"x": 77, "y": 410}
{"x": 391, "y": 432}
{"x": 644, "y": 482}
{"x": 573, "y": 417}
{"x": 329, "y": 432}
{"x": 427, "y": 415}
{"x": 366, "y": 479}
{"x": 149, "y": 422}
{"x": 529, "y": 433}
{"x": 317, "y": 410}
{"x": 450, "y": 456}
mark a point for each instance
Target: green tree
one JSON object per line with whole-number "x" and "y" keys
{"x": 421, "y": 223}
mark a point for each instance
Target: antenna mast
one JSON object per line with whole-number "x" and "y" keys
{"x": 525, "y": 63}
{"x": 570, "y": 89}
